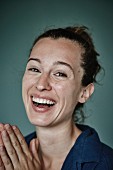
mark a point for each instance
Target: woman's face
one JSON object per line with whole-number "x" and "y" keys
{"x": 52, "y": 81}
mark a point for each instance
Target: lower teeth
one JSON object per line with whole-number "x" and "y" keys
{"x": 37, "y": 104}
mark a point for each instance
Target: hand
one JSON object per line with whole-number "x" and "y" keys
{"x": 14, "y": 151}
{"x": 1, "y": 144}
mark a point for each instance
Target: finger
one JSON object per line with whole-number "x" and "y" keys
{"x": 10, "y": 151}
{"x": 18, "y": 146}
{"x": 1, "y": 126}
{"x": 22, "y": 141}
{"x": 5, "y": 159}
{"x": 14, "y": 148}
{"x": 1, "y": 164}
{"x": 34, "y": 147}
{"x": 1, "y": 141}
{"x": 14, "y": 141}
{"x": 1, "y": 129}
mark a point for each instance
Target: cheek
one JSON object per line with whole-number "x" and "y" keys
{"x": 70, "y": 92}
{"x": 27, "y": 83}
{"x": 24, "y": 86}
{"x": 64, "y": 90}
{"x": 61, "y": 87}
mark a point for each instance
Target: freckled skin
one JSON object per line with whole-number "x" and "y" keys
{"x": 54, "y": 73}
{"x": 66, "y": 91}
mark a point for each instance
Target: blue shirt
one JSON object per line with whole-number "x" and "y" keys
{"x": 88, "y": 152}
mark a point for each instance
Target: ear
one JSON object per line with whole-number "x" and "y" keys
{"x": 86, "y": 93}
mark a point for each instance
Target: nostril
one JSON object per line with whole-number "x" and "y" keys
{"x": 40, "y": 87}
{"x": 43, "y": 82}
{"x": 43, "y": 86}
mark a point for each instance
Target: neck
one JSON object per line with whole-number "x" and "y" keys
{"x": 56, "y": 142}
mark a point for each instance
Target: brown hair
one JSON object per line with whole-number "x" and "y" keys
{"x": 89, "y": 59}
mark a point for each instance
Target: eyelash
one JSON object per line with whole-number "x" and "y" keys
{"x": 61, "y": 74}
{"x": 57, "y": 74}
{"x": 34, "y": 70}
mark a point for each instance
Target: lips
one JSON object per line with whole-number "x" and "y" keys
{"x": 42, "y": 102}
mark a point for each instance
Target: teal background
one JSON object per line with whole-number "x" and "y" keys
{"x": 21, "y": 21}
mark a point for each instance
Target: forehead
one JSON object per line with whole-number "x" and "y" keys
{"x": 62, "y": 49}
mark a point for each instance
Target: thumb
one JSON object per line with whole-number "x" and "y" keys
{"x": 34, "y": 147}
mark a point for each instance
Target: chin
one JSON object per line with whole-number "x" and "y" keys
{"x": 40, "y": 122}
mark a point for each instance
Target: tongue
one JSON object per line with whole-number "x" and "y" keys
{"x": 42, "y": 105}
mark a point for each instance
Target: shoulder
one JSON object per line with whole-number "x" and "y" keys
{"x": 94, "y": 153}
{"x": 106, "y": 159}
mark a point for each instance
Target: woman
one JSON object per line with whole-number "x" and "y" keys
{"x": 59, "y": 78}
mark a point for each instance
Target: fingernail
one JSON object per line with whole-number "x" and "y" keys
{"x": 7, "y": 126}
{"x": 1, "y": 126}
{"x": 14, "y": 127}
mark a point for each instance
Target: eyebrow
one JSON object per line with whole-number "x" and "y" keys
{"x": 55, "y": 63}
{"x": 34, "y": 59}
{"x": 63, "y": 63}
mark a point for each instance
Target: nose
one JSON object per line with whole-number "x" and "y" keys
{"x": 43, "y": 83}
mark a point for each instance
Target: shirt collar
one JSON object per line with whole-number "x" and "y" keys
{"x": 87, "y": 147}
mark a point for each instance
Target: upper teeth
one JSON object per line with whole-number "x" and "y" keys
{"x": 43, "y": 101}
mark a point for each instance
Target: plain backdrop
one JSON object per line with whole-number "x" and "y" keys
{"x": 21, "y": 21}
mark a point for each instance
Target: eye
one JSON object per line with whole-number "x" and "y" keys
{"x": 60, "y": 74}
{"x": 34, "y": 70}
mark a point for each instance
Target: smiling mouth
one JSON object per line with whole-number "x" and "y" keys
{"x": 40, "y": 102}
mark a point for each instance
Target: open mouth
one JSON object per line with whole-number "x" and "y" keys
{"x": 40, "y": 102}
